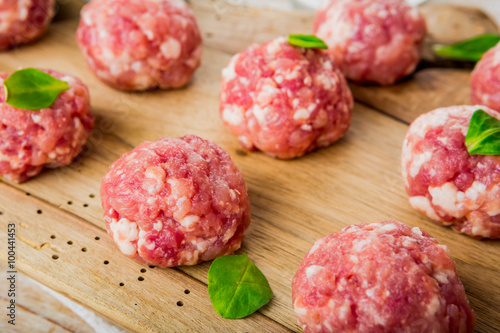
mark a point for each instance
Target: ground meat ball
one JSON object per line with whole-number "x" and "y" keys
{"x": 50, "y": 137}
{"x": 140, "y": 44}
{"x": 176, "y": 201}
{"x": 372, "y": 40}
{"x": 22, "y": 21}
{"x": 380, "y": 277}
{"x": 443, "y": 181}
{"x": 485, "y": 80}
{"x": 284, "y": 100}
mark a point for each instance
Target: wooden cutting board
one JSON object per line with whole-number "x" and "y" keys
{"x": 61, "y": 238}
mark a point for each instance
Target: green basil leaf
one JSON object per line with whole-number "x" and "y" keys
{"x": 237, "y": 288}
{"x": 32, "y": 89}
{"x": 468, "y": 50}
{"x": 307, "y": 42}
{"x": 483, "y": 136}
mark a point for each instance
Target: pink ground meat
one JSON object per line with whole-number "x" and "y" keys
{"x": 284, "y": 100}
{"x": 372, "y": 40}
{"x": 443, "y": 181}
{"x": 380, "y": 277}
{"x": 176, "y": 201}
{"x": 50, "y": 137}
{"x": 22, "y": 21}
{"x": 140, "y": 44}
{"x": 485, "y": 80}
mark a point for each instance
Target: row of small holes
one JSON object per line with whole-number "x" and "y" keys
{"x": 70, "y": 242}
{"x": 55, "y": 256}
{"x": 39, "y": 211}
{"x": 71, "y": 202}
{"x": 106, "y": 262}
{"x": 84, "y": 205}
{"x": 140, "y": 278}
{"x": 181, "y": 303}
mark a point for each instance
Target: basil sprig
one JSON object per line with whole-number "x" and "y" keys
{"x": 307, "y": 42}
{"x": 483, "y": 136}
{"x": 32, "y": 89}
{"x": 237, "y": 288}
{"x": 468, "y": 50}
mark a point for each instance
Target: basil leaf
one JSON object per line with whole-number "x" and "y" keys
{"x": 468, "y": 50}
{"x": 483, "y": 136}
{"x": 307, "y": 42}
{"x": 237, "y": 288}
{"x": 32, "y": 89}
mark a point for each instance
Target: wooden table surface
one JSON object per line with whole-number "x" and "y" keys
{"x": 61, "y": 238}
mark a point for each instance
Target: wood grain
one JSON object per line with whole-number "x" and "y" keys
{"x": 231, "y": 27}
{"x": 448, "y": 24}
{"x": 293, "y": 202}
{"x": 30, "y": 322}
{"x": 427, "y": 89}
{"x": 38, "y": 310}
{"x": 422, "y": 92}
{"x": 78, "y": 269}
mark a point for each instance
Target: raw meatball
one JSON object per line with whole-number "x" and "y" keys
{"x": 22, "y": 21}
{"x": 380, "y": 277}
{"x": 485, "y": 80}
{"x": 140, "y": 44}
{"x": 176, "y": 201}
{"x": 284, "y": 100}
{"x": 50, "y": 137}
{"x": 443, "y": 181}
{"x": 372, "y": 40}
